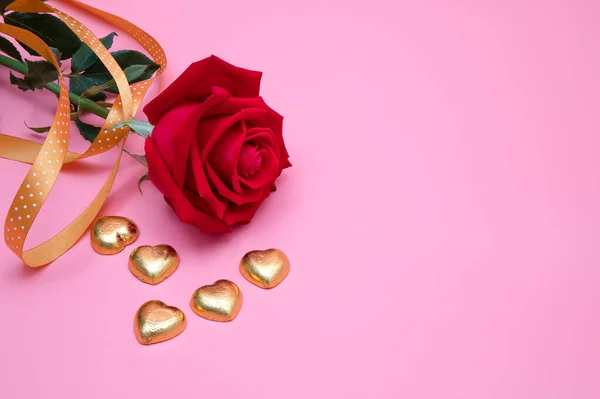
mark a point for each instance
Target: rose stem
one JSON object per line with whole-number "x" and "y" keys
{"x": 81, "y": 103}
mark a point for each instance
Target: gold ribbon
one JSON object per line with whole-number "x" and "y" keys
{"x": 48, "y": 158}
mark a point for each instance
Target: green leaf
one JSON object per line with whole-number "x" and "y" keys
{"x": 78, "y": 84}
{"x": 57, "y": 54}
{"x": 42, "y": 129}
{"x": 20, "y": 83}
{"x": 84, "y": 58}
{"x": 39, "y": 73}
{"x": 4, "y": 4}
{"x": 141, "y": 128}
{"x": 138, "y": 157}
{"x": 93, "y": 85}
{"x": 133, "y": 72}
{"x": 9, "y": 49}
{"x": 49, "y": 28}
{"x": 144, "y": 177}
{"x": 127, "y": 58}
{"x": 89, "y": 132}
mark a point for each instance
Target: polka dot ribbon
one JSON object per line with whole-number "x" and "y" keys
{"x": 48, "y": 158}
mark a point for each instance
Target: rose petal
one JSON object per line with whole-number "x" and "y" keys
{"x": 250, "y": 160}
{"x": 190, "y": 180}
{"x": 267, "y": 173}
{"x": 169, "y": 132}
{"x": 265, "y": 139}
{"x": 204, "y": 189}
{"x": 159, "y": 174}
{"x": 209, "y": 130}
{"x": 185, "y": 132}
{"x": 248, "y": 195}
{"x": 263, "y": 136}
{"x": 154, "y": 157}
{"x": 197, "y": 202}
{"x": 244, "y": 213}
{"x": 224, "y": 156}
{"x": 234, "y": 105}
{"x": 271, "y": 119}
{"x": 275, "y": 122}
{"x": 195, "y": 83}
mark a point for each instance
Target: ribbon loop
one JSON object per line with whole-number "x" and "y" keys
{"x": 48, "y": 158}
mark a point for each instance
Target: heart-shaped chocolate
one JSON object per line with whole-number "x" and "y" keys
{"x": 153, "y": 264}
{"x": 220, "y": 301}
{"x": 156, "y": 322}
{"x": 265, "y": 269}
{"x": 110, "y": 234}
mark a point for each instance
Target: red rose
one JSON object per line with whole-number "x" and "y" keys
{"x": 216, "y": 148}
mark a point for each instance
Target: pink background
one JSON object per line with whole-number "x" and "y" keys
{"x": 442, "y": 215}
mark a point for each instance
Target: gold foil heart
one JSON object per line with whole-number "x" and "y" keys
{"x": 110, "y": 234}
{"x": 265, "y": 269}
{"x": 156, "y": 322}
{"x": 153, "y": 264}
{"x": 220, "y": 301}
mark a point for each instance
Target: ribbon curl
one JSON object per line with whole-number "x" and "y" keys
{"x": 48, "y": 158}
